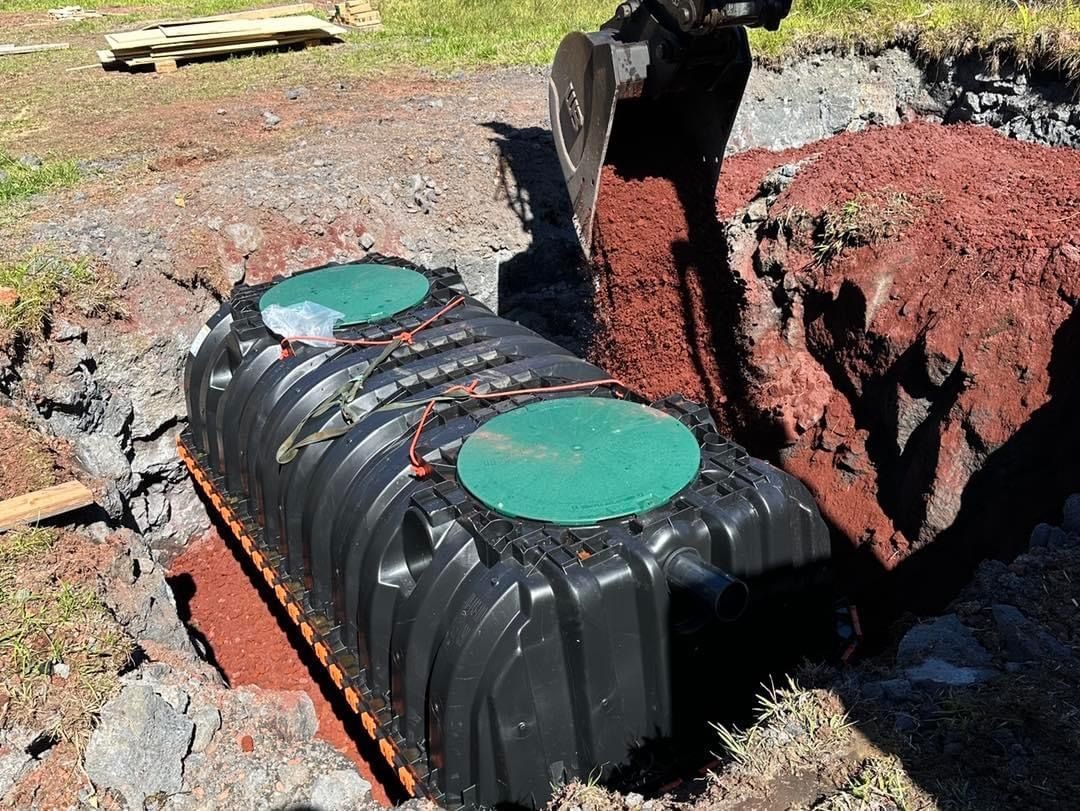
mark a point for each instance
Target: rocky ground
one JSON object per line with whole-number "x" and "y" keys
{"x": 460, "y": 171}
{"x": 106, "y": 699}
{"x": 973, "y": 708}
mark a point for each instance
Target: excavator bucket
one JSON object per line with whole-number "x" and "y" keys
{"x": 655, "y": 102}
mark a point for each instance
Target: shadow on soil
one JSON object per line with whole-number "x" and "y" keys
{"x": 545, "y": 286}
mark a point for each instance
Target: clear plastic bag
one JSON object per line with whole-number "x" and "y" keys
{"x": 301, "y": 321}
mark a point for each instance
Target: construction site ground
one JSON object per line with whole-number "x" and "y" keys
{"x": 133, "y": 203}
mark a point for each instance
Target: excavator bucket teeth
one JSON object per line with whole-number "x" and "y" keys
{"x": 590, "y": 73}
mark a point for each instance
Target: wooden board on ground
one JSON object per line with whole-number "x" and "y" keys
{"x": 250, "y": 14}
{"x": 205, "y": 37}
{"x": 10, "y": 49}
{"x": 73, "y": 13}
{"x": 41, "y": 504}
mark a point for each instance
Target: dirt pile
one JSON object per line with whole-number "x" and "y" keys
{"x": 890, "y": 315}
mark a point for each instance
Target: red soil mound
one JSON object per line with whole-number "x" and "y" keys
{"x": 896, "y": 325}
{"x": 248, "y": 643}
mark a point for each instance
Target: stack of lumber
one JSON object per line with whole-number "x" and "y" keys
{"x": 162, "y": 45}
{"x": 360, "y": 14}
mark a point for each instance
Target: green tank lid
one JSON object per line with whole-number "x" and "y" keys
{"x": 364, "y": 293}
{"x": 578, "y": 460}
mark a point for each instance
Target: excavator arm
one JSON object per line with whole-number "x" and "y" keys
{"x": 656, "y": 87}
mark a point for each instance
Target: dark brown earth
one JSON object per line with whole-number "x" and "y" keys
{"x": 31, "y": 459}
{"x": 248, "y": 643}
{"x": 907, "y": 361}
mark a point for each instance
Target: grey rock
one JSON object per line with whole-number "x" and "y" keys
{"x": 30, "y": 161}
{"x": 292, "y": 775}
{"x": 207, "y": 722}
{"x": 17, "y": 762}
{"x": 64, "y": 330}
{"x": 893, "y": 689}
{"x": 481, "y": 275}
{"x": 294, "y": 93}
{"x": 246, "y": 238}
{"x": 176, "y": 697}
{"x": 339, "y": 790}
{"x": 1063, "y": 540}
{"x": 1071, "y": 518}
{"x": 944, "y": 638}
{"x": 142, "y": 601}
{"x": 367, "y": 241}
{"x": 1045, "y": 535}
{"x": 62, "y": 670}
{"x": 634, "y": 800}
{"x": 758, "y": 210}
{"x": 1024, "y": 639}
{"x": 270, "y": 120}
{"x": 904, "y": 722}
{"x": 139, "y": 746}
{"x": 937, "y": 672}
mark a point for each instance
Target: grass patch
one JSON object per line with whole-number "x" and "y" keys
{"x": 1037, "y": 34}
{"x": 863, "y": 220}
{"x": 449, "y": 34}
{"x": 878, "y": 783}
{"x": 799, "y": 721}
{"x": 36, "y": 284}
{"x": 19, "y": 180}
{"x": 61, "y": 649}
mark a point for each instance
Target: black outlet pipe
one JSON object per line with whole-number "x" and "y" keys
{"x": 714, "y": 588}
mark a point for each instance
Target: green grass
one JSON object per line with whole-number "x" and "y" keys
{"x": 40, "y": 280}
{"x": 18, "y": 181}
{"x": 803, "y": 722}
{"x": 863, "y": 220}
{"x": 878, "y": 783}
{"x": 1044, "y": 34}
{"x": 449, "y": 34}
{"x": 49, "y": 626}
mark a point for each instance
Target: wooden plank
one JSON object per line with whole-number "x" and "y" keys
{"x": 262, "y": 13}
{"x": 11, "y": 49}
{"x": 250, "y": 14}
{"x": 165, "y": 66}
{"x": 178, "y": 53}
{"x": 47, "y": 503}
{"x": 192, "y": 53}
{"x": 224, "y": 46}
{"x": 137, "y": 39}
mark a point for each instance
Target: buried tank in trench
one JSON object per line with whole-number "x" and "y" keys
{"x": 495, "y": 550}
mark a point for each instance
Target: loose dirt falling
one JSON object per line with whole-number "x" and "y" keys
{"x": 249, "y": 644}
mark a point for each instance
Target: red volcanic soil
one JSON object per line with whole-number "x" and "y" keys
{"x": 249, "y": 644}
{"x": 919, "y": 375}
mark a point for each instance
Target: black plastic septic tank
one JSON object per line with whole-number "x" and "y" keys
{"x": 503, "y": 547}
